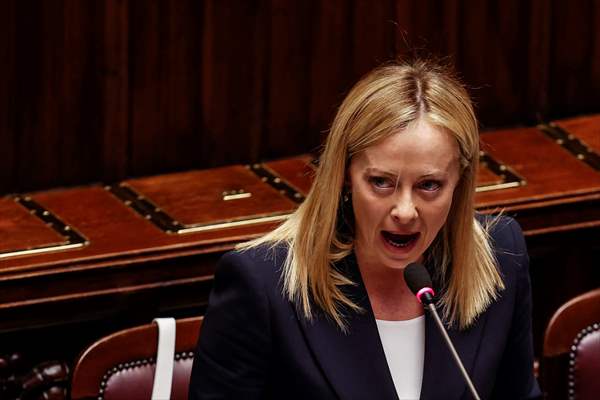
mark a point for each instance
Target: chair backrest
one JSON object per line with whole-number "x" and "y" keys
{"x": 121, "y": 366}
{"x": 571, "y": 353}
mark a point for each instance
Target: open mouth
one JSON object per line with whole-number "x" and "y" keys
{"x": 400, "y": 240}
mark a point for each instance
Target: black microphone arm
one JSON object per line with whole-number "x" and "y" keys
{"x": 418, "y": 280}
{"x": 459, "y": 363}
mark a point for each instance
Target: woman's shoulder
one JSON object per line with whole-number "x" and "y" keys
{"x": 261, "y": 262}
{"x": 508, "y": 243}
{"x": 505, "y": 234}
{"x": 259, "y": 254}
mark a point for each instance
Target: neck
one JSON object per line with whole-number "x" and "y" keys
{"x": 390, "y": 297}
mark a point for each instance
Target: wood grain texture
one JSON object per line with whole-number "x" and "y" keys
{"x": 165, "y": 85}
{"x": 107, "y": 90}
{"x": 528, "y": 151}
{"x": 486, "y": 177}
{"x": 586, "y": 129}
{"x": 574, "y": 58}
{"x": 8, "y": 109}
{"x": 234, "y": 81}
{"x": 19, "y": 230}
{"x": 116, "y": 143}
{"x": 196, "y": 197}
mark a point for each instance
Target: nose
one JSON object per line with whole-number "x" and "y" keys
{"x": 404, "y": 210}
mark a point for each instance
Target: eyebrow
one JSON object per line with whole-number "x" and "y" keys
{"x": 432, "y": 174}
{"x": 380, "y": 171}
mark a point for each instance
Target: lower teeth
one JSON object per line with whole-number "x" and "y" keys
{"x": 398, "y": 244}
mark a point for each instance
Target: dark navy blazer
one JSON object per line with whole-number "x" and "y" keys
{"x": 255, "y": 345}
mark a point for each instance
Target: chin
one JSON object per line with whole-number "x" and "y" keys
{"x": 398, "y": 264}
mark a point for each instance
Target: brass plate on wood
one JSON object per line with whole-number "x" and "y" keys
{"x": 207, "y": 200}
{"x": 45, "y": 233}
{"x": 506, "y": 177}
{"x": 572, "y": 144}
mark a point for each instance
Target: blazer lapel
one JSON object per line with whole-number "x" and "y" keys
{"x": 441, "y": 376}
{"x": 353, "y": 362}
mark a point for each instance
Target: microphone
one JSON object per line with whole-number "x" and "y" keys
{"x": 419, "y": 282}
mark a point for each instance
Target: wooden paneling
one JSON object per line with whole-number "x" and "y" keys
{"x": 105, "y": 90}
{"x": 586, "y": 129}
{"x": 8, "y": 110}
{"x": 57, "y": 94}
{"x": 19, "y": 229}
{"x": 234, "y": 78}
{"x": 574, "y": 72}
{"x": 289, "y": 90}
{"x": 165, "y": 84}
{"x": 115, "y": 90}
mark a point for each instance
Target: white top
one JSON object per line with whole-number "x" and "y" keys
{"x": 404, "y": 348}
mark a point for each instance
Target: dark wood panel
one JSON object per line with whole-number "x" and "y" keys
{"x": 288, "y": 94}
{"x": 329, "y": 63}
{"x": 20, "y": 230}
{"x": 234, "y": 80}
{"x": 36, "y": 82}
{"x": 415, "y": 35}
{"x": 115, "y": 90}
{"x": 165, "y": 85}
{"x": 373, "y": 35}
{"x": 8, "y": 136}
{"x": 574, "y": 58}
{"x": 57, "y": 94}
{"x": 104, "y": 90}
{"x": 586, "y": 129}
{"x": 495, "y": 59}
{"x": 197, "y": 197}
{"x": 530, "y": 160}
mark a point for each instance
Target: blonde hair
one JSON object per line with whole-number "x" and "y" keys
{"x": 382, "y": 103}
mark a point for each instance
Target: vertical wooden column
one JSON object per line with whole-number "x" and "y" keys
{"x": 7, "y": 103}
{"x": 234, "y": 80}
{"x": 288, "y": 89}
{"x": 115, "y": 90}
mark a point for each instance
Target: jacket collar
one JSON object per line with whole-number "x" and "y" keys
{"x": 354, "y": 362}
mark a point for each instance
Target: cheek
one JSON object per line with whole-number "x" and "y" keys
{"x": 360, "y": 205}
{"x": 367, "y": 212}
{"x": 437, "y": 211}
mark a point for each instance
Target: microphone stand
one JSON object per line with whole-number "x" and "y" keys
{"x": 459, "y": 363}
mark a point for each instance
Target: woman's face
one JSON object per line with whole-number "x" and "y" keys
{"x": 402, "y": 191}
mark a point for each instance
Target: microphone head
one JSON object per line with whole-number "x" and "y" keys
{"x": 418, "y": 280}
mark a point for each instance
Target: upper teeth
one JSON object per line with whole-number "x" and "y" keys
{"x": 399, "y": 240}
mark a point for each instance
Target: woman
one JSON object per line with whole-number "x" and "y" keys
{"x": 318, "y": 309}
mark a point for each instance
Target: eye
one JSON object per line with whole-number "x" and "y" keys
{"x": 381, "y": 182}
{"x": 430, "y": 185}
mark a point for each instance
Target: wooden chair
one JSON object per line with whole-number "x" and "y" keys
{"x": 571, "y": 353}
{"x": 121, "y": 366}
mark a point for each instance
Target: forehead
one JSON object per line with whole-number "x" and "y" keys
{"x": 421, "y": 147}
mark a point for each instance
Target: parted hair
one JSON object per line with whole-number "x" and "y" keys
{"x": 381, "y": 104}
